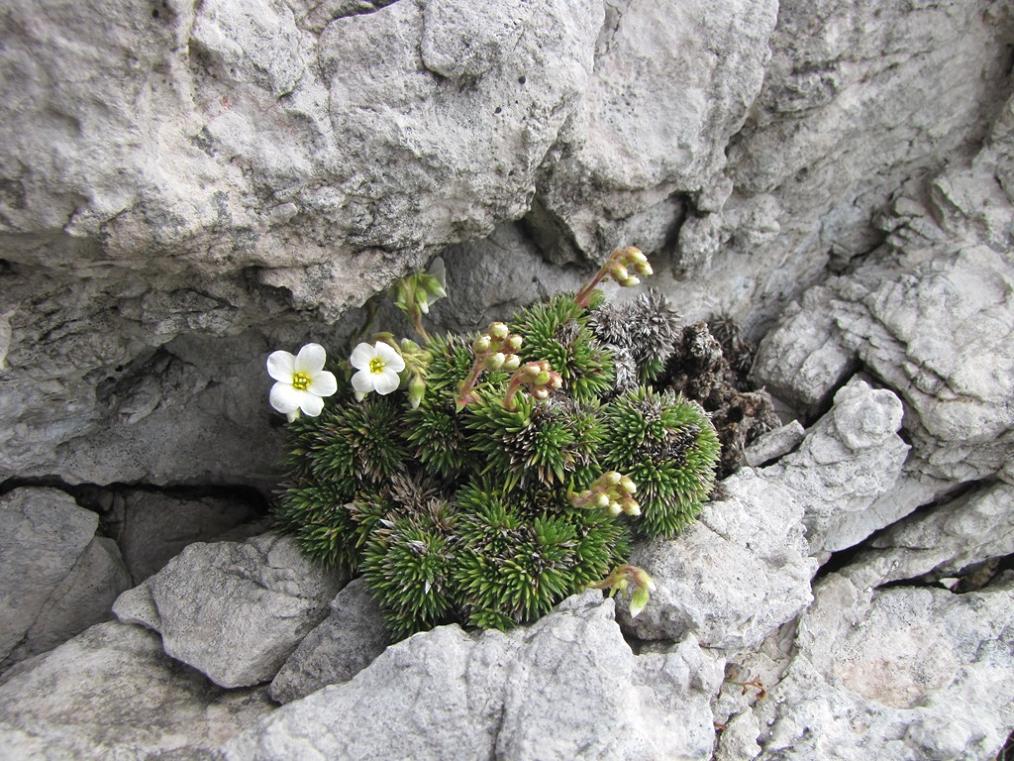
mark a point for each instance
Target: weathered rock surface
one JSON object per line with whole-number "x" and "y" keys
{"x": 942, "y": 541}
{"x": 112, "y": 693}
{"x": 152, "y": 527}
{"x": 851, "y": 457}
{"x": 897, "y": 663}
{"x": 774, "y": 444}
{"x": 734, "y": 576}
{"x": 56, "y": 577}
{"x": 344, "y": 644}
{"x": 931, "y": 316}
{"x": 234, "y": 611}
{"x": 566, "y": 687}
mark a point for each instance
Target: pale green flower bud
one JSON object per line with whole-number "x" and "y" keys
{"x": 602, "y": 500}
{"x": 515, "y": 341}
{"x": 532, "y": 369}
{"x": 631, "y": 507}
{"x": 542, "y": 378}
{"x": 496, "y": 361}
{"x": 644, "y": 269}
{"x": 482, "y": 343}
{"x": 615, "y": 508}
{"x": 540, "y": 393}
{"x": 638, "y": 600}
{"x": 628, "y": 485}
{"x": 512, "y": 363}
{"x": 612, "y": 477}
{"x": 498, "y": 330}
{"x": 630, "y": 281}
{"x": 636, "y": 256}
{"x": 619, "y": 273}
{"x": 416, "y": 390}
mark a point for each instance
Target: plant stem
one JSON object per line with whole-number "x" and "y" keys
{"x": 583, "y": 295}
{"x": 465, "y": 390}
{"x": 417, "y": 324}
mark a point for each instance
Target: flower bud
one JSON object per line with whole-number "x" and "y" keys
{"x": 542, "y": 378}
{"x": 540, "y": 393}
{"x": 514, "y": 342}
{"x": 630, "y": 281}
{"x": 555, "y": 381}
{"x": 619, "y": 272}
{"x": 615, "y": 508}
{"x": 532, "y": 369}
{"x": 637, "y": 601}
{"x": 644, "y": 269}
{"x": 602, "y": 500}
{"x": 422, "y": 302}
{"x": 482, "y": 343}
{"x": 635, "y": 255}
{"x": 512, "y": 362}
{"x": 496, "y": 361}
{"x": 498, "y": 330}
{"x": 612, "y": 477}
{"x": 631, "y": 507}
{"x": 416, "y": 389}
{"x": 628, "y": 485}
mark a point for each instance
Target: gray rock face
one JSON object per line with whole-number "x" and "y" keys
{"x": 851, "y": 457}
{"x": 930, "y": 315}
{"x": 736, "y": 575}
{"x": 112, "y": 693}
{"x": 943, "y": 541}
{"x": 153, "y": 527}
{"x": 896, "y": 662}
{"x": 234, "y": 611}
{"x": 344, "y": 644}
{"x": 566, "y": 687}
{"x": 774, "y": 444}
{"x": 56, "y": 577}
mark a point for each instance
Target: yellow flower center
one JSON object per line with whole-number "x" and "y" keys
{"x": 376, "y": 365}
{"x": 300, "y": 381}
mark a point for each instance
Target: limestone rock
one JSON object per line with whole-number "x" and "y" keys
{"x": 344, "y": 644}
{"x": 883, "y": 671}
{"x": 734, "y": 576}
{"x": 56, "y": 577}
{"x": 112, "y": 693}
{"x": 943, "y": 540}
{"x": 153, "y": 527}
{"x": 234, "y": 611}
{"x": 566, "y": 687}
{"x": 851, "y": 457}
{"x": 774, "y": 444}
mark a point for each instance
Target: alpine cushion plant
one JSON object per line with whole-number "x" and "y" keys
{"x": 492, "y": 475}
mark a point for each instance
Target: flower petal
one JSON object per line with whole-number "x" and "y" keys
{"x": 281, "y": 366}
{"x": 284, "y": 398}
{"x": 311, "y": 359}
{"x": 323, "y": 384}
{"x": 361, "y": 356}
{"x": 362, "y": 382}
{"x": 392, "y": 359}
{"x": 311, "y": 404}
{"x": 386, "y": 382}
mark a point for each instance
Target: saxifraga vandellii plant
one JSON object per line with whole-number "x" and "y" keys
{"x": 484, "y": 478}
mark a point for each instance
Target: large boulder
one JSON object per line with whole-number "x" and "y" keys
{"x": 568, "y": 686}
{"x": 234, "y": 611}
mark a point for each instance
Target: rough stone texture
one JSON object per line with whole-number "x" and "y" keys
{"x": 774, "y": 444}
{"x": 309, "y": 152}
{"x": 931, "y": 316}
{"x": 111, "y": 693}
{"x": 234, "y": 611}
{"x": 883, "y": 674}
{"x": 152, "y": 527}
{"x": 56, "y": 577}
{"x": 344, "y": 644}
{"x": 566, "y": 687}
{"x": 943, "y": 541}
{"x": 851, "y": 457}
{"x": 734, "y": 576}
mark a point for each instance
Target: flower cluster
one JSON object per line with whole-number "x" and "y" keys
{"x": 612, "y": 491}
{"x": 538, "y": 377}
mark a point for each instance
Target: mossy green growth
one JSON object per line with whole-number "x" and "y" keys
{"x": 465, "y": 512}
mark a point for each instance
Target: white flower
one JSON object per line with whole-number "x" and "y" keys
{"x": 378, "y": 367}
{"x": 302, "y": 381}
